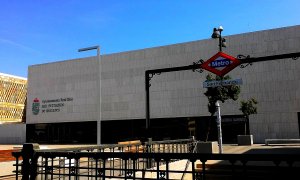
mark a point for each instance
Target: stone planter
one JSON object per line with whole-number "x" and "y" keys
{"x": 245, "y": 140}
{"x": 207, "y": 147}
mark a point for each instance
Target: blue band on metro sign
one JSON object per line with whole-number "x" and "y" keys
{"x": 220, "y": 63}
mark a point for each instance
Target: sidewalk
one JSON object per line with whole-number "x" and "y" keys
{"x": 227, "y": 149}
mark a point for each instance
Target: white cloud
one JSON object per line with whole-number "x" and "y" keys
{"x": 18, "y": 45}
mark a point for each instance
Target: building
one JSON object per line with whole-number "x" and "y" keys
{"x": 13, "y": 91}
{"x": 64, "y": 97}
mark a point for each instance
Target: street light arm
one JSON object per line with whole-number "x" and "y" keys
{"x": 88, "y": 48}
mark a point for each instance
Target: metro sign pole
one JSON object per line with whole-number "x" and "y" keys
{"x": 220, "y": 64}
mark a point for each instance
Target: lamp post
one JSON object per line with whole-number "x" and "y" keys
{"x": 99, "y": 92}
{"x": 217, "y": 33}
{"x": 219, "y": 127}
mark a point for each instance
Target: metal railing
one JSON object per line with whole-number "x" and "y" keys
{"x": 164, "y": 161}
{"x": 64, "y": 162}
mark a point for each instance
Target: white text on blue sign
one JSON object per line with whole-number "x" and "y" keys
{"x": 220, "y": 63}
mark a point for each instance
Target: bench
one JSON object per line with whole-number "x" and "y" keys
{"x": 6, "y": 155}
{"x": 132, "y": 146}
{"x": 282, "y": 141}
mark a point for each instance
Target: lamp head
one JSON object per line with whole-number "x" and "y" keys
{"x": 221, "y": 28}
{"x": 215, "y": 34}
{"x": 88, "y": 48}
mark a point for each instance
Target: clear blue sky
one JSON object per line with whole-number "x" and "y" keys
{"x": 42, "y": 31}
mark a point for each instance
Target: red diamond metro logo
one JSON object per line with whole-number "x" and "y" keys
{"x": 220, "y": 64}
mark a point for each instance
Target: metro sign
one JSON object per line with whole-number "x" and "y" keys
{"x": 220, "y": 64}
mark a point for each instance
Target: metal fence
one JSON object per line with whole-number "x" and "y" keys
{"x": 161, "y": 160}
{"x": 92, "y": 161}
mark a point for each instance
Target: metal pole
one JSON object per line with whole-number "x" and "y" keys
{"x": 220, "y": 41}
{"x": 100, "y": 117}
{"x": 219, "y": 127}
{"x": 147, "y": 85}
{"x": 148, "y": 133}
{"x": 99, "y": 92}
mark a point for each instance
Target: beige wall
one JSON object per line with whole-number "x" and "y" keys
{"x": 67, "y": 91}
{"x": 275, "y": 84}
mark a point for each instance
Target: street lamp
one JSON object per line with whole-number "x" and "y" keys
{"x": 99, "y": 92}
{"x": 217, "y": 33}
{"x": 219, "y": 125}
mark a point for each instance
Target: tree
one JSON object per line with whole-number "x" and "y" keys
{"x": 219, "y": 93}
{"x": 248, "y": 107}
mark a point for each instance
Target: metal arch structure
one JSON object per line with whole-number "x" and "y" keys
{"x": 197, "y": 66}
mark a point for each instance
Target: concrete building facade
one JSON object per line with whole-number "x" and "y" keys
{"x": 68, "y": 91}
